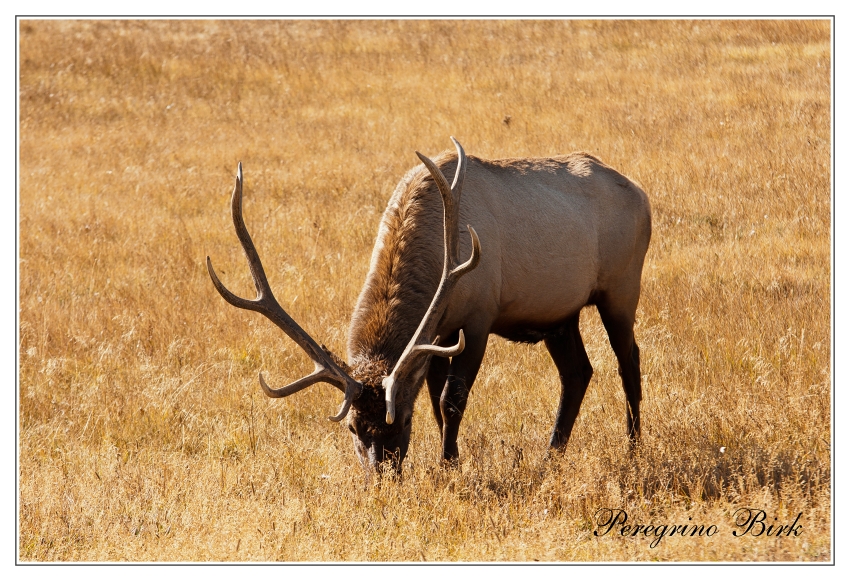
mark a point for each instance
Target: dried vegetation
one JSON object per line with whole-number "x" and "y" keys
{"x": 143, "y": 432}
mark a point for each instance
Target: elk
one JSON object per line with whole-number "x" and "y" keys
{"x": 557, "y": 234}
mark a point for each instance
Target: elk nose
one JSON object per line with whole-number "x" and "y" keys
{"x": 376, "y": 456}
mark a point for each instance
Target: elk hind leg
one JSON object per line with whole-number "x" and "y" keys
{"x": 620, "y": 329}
{"x": 568, "y": 353}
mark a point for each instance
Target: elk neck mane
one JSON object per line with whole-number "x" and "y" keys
{"x": 405, "y": 269}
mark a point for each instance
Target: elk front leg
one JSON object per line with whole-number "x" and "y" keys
{"x": 461, "y": 375}
{"x": 438, "y": 370}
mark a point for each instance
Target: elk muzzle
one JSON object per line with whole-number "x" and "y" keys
{"x": 384, "y": 452}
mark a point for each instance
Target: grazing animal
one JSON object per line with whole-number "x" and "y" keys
{"x": 557, "y": 234}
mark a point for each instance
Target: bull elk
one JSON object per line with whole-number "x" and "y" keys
{"x": 557, "y": 234}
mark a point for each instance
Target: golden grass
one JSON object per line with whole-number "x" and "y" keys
{"x": 143, "y": 433}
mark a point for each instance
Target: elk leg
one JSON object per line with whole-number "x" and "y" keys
{"x": 621, "y": 335}
{"x": 438, "y": 370}
{"x": 461, "y": 375}
{"x": 568, "y": 353}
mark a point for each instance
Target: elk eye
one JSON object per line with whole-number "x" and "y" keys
{"x": 407, "y": 421}
{"x": 351, "y": 428}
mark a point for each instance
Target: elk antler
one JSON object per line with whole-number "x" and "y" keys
{"x": 421, "y": 344}
{"x": 326, "y": 369}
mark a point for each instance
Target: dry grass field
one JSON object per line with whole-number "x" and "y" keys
{"x": 143, "y": 433}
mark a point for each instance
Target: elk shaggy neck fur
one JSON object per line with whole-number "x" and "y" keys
{"x": 403, "y": 275}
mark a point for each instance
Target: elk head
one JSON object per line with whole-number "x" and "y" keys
{"x": 377, "y": 435}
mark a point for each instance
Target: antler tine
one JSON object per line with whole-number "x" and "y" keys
{"x": 326, "y": 369}
{"x": 258, "y": 273}
{"x": 343, "y": 409}
{"x": 451, "y": 203}
{"x": 460, "y": 172}
{"x": 318, "y": 375}
{"x": 459, "y": 271}
{"x": 435, "y": 349}
{"x": 439, "y": 178}
{"x": 420, "y": 344}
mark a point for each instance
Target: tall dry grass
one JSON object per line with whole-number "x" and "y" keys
{"x": 143, "y": 434}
